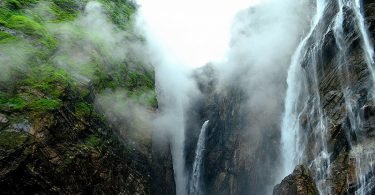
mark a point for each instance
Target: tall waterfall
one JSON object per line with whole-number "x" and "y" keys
{"x": 305, "y": 118}
{"x": 195, "y": 181}
{"x": 296, "y": 98}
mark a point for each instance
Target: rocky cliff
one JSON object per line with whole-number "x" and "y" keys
{"x": 55, "y": 135}
{"x": 345, "y": 139}
{"x": 59, "y": 152}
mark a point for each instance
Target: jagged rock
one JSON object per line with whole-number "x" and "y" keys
{"x": 300, "y": 182}
{"x": 3, "y": 119}
{"x": 55, "y": 153}
{"x": 23, "y": 126}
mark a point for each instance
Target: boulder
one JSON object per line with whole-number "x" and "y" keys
{"x": 300, "y": 182}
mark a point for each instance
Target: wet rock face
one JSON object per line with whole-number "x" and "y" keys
{"x": 300, "y": 182}
{"x": 162, "y": 167}
{"x": 58, "y": 153}
{"x": 342, "y": 139}
{"x": 235, "y": 153}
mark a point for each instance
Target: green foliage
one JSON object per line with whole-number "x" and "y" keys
{"x": 120, "y": 11}
{"x": 39, "y": 91}
{"x": 32, "y": 28}
{"x": 82, "y": 109}
{"x": 26, "y": 25}
{"x": 11, "y": 103}
{"x": 65, "y": 10}
{"x": 49, "y": 80}
{"x": 45, "y": 104}
{"x": 18, "y": 4}
{"x": 4, "y": 15}
{"x": 6, "y": 37}
{"x": 93, "y": 141}
{"x": 137, "y": 79}
{"x": 39, "y": 85}
{"x": 12, "y": 140}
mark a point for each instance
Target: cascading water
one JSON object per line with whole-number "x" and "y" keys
{"x": 363, "y": 155}
{"x": 361, "y": 151}
{"x": 195, "y": 179}
{"x": 303, "y": 104}
{"x": 295, "y": 99}
{"x": 366, "y": 42}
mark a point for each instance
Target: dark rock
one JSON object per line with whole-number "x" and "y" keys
{"x": 58, "y": 153}
{"x": 3, "y": 119}
{"x": 162, "y": 167}
{"x": 23, "y": 125}
{"x": 300, "y": 182}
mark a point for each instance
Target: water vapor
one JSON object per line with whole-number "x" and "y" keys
{"x": 130, "y": 116}
{"x": 14, "y": 57}
{"x": 91, "y": 40}
{"x": 250, "y": 43}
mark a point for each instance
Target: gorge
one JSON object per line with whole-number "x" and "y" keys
{"x": 187, "y": 97}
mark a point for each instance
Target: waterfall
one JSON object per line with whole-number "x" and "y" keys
{"x": 303, "y": 104}
{"x": 363, "y": 150}
{"x": 194, "y": 185}
{"x": 366, "y": 42}
{"x": 295, "y": 95}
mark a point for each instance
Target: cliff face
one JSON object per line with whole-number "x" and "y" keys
{"x": 234, "y": 154}
{"x": 59, "y": 152}
{"x": 345, "y": 138}
{"x": 239, "y": 161}
{"x": 54, "y": 137}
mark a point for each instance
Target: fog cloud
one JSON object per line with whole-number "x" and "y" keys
{"x": 250, "y": 43}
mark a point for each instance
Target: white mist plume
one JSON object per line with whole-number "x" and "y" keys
{"x": 130, "y": 116}
{"x": 14, "y": 56}
{"x": 191, "y": 33}
{"x": 181, "y": 35}
{"x": 93, "y": 39}
{"x": 194, "y": 31}
{"x": 263, "y": 41}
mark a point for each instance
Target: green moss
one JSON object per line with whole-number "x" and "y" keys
{"x": 26, "y": 25}
{"x": 4, "y": 15}
{"x": 66, "y": 9}
{"x": 137, "y": 79}
{"x": 120, "y": 11}
{"x": 93, "y": 141}
{"x": 12, "y": 140}
{"x": 6, "y": 37}
{"x": 152, "y": 100}
{"x": 11, "y": 103}
{"x": 31, "y": 28}
{"x": 49, "y": 80}
{"x": 82, "y": 109}
{"x": 68, "y": 160}
{"x": 45, "y": 104}
{"x": 18, "y": 4}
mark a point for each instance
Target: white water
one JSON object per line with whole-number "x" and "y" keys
{"x": 362, "y": 152}
{"x": 366, "y": 42}
{"x": 195, "y": 181}
{"x": 364, "y": 155}
{"x": 292, "y": 149}
{"x": 300, "y": 102}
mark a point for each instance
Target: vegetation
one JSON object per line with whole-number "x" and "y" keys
{"x": 12, "y": 140}
{"x": 37, "y": 84}
{"x": 41, "y": 85}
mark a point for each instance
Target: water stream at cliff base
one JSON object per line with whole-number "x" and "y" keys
{"x": 196, "y": 175}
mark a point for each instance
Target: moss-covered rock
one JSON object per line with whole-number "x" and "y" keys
{"x": 11, "y": 139}
{"x": 65, "y": 135}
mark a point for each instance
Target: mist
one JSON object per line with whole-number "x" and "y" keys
{"x": 263, "y": 40}
{"x": 92, "y": 39}
{"x": 14, "y": 57}
{"x": 249, "y": 43}
{"x": 89, "y": 44}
